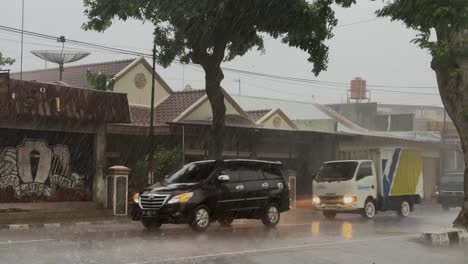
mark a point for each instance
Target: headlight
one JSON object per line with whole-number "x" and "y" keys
{"x": 181, "y": 198}
{"x": 136, "y": 198}
{"x": 316, "y": 199}
{"x": 348, "y": 199}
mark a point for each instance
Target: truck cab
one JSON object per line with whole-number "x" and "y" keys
{"x": 344, "y": 187}
{"x": 354, "y": 186}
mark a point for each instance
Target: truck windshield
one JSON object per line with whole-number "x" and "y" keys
{"x": 337, "y": 171}
{"x": 191, "y": 173}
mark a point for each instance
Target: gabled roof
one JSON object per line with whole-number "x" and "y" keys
{"x": 74, "y": 76}
{"x": 257, "y": 114}
{"x": 166, "y": 111}
{"x": 278, "y": 112}
{"x": 145, "y": 63}
{"x": 204, "y": 99}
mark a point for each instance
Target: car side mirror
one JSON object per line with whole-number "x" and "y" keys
{"x": 224, "y": 178}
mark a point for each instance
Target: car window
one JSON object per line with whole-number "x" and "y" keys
{"x": 243, "y": 171}
{"x": 251, "y": 172}
{"x": 365, "y": 170}
{"x": 233, "y": 173}
{"x": 272, "y": 172}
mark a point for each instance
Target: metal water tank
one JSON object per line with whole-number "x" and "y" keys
{"x": 358, "y": 89}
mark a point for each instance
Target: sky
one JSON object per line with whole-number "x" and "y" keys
{"x": 375, "y": 49}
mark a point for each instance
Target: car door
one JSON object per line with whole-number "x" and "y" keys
{"x": 231, "y": 194}
{"x": 273, "y": 183}
{"x": 252, "y": 177}
{"x": 366, "y": 181}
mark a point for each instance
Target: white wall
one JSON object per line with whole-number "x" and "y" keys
{"x": 203, "y": 112}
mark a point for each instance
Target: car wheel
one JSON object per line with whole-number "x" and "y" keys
{"x": 227, "y": 221}
{"x": 329, "y": 215}
{"x": 200, "y": 219}
{"x": 369, "y": 209}
{"x": 271, "y": 216}
{"x": 405, "y": 208}
{"x": 150, "y": 224}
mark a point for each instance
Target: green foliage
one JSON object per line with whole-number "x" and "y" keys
{"x": 207, "y": 32}
{"x": 166, "y": 160}
{"x": 99, "y": 81}
{"x": 6, "y": 60}
{"x": 447, "y": 18}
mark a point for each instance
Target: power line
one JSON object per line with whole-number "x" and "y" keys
{"x": 243, "y": 72}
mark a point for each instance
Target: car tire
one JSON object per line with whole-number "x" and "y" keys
{"x": 150, "y": 224}
{"x": 200, "y": 220}
{"x": 271, "y": 216}
{"x": 405, "y": 208}
{"x": 226, "y": 221}
{"x": 329, "y": 215}
{"x": 369, "y": 209}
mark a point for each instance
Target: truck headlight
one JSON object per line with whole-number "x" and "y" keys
{"x": 315, "y": 199}
{"x": 347, "y": 199}
{"x": 181, "y": 198}
{"x": 136, "y": 198}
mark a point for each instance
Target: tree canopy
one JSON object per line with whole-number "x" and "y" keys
{"x": 6, "y": 60}
{"x": 190, "y": 29}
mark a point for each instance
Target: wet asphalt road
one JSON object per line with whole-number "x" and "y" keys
{"x": 301, "y": 237}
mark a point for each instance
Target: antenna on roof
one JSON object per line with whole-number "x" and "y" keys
{"x": 60, "y": 57}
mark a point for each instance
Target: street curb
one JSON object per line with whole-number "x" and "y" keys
{"x": 446, "y": 238}
{"x": 59, "y": 225}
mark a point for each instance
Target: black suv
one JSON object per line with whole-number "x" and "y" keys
{"x": 206, "y": 191}
{"x": 450, "y": 192}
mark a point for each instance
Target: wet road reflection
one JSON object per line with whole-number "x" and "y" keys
{"x": 300, "y": 233}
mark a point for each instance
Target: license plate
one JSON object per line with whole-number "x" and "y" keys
{"x": 334, "y": 207}
{"x": 150, "y": 213}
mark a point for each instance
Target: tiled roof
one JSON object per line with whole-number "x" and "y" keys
{"x": 74, "y": 76}
{"x": 257, "y": 114}
{"x": 168, "y": 110}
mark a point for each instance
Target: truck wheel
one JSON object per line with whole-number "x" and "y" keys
{"x": 226, "y": 221}
{"x": 405, "y": 208}
{"x": 329, "y": 215}
{"x": 369, "y": 209}
{"x": 200, "y": 219}
{"x": 271, "y": 215}
{"x": 150, "y": 224}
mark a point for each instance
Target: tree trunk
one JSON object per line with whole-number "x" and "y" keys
{"x": 462, "y": 127}
{"x": 452, "y": 81}
{"x": 213, "y": 77}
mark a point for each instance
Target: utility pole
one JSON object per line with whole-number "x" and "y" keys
{"x": 22, "y": 39}
{"x": 151, "y": 128}
{"x": 183, "y": 76}
{"x": 239, "y": 87}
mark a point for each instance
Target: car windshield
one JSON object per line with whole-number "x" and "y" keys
{"x": 337, "y": 171}
{"x": 191, "y": 173}
{"x": 452, "y": 179}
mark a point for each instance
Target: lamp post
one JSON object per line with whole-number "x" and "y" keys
{"x": 151, "y": 128}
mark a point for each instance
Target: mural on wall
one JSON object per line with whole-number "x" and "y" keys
{"x": 36, "y": 169}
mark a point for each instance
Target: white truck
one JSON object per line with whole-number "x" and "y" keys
{"x": 370, "y": 181}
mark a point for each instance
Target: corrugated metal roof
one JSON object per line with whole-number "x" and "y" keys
{"x": 293, "y": 109}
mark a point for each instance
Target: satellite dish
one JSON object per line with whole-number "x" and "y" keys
{"x": 60, "y": 57}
